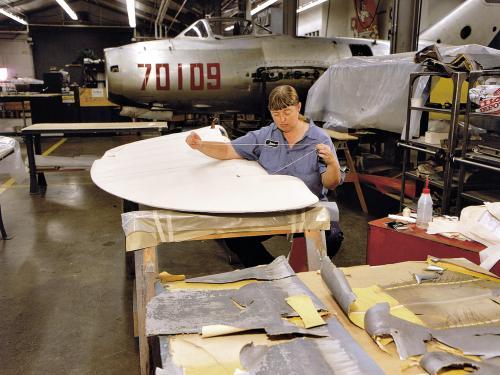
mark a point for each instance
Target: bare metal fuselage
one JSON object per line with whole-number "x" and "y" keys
{"x": 219, "y": 74}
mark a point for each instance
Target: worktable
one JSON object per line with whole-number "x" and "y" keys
{"x": 386, "y": 245}
{"x": 149, "y": 228}
{"x": 22, "y": 97}
{"x": 32, "y": 136}
{"x": 224, "y": 350}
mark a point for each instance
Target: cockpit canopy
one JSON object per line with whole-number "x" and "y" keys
{"x": 217, "y": 28}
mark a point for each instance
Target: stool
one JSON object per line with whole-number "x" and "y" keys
{"x": 340, "y": 141}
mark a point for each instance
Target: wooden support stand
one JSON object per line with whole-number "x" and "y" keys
{"x": 146, "y": 272}
{"x": 340, "y": 141}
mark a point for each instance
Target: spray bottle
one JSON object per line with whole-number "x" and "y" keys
{"x": 424, "y": 208}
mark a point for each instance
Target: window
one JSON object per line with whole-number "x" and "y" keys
{"x": 198, "y": 30}
{"x": 3, "y": 74}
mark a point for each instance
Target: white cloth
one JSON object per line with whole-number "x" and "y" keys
{"x": 12, "y": 164}
{"x": 478, "y": 223}
{"x": 489, "y": 257}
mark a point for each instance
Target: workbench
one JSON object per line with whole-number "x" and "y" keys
{"x": 386, "y": 245}
{"x": 144, "y": 230}
{"x": 21, "y": 98}
{"x": 197, "y": 354}
{"x": 32, "y": 137}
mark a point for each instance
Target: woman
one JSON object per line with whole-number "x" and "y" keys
{"x": 290, "y": 145}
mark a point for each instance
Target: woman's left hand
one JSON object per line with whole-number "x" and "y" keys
{"x": 326, "y": 153}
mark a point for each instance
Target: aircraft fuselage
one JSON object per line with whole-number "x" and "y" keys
{"x": 218, "y": 74}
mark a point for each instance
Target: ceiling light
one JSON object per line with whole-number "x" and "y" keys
{"x": 262, "y": 6}
{"x": 67, "y": 9}
{"x": 131, "y": 12}
{"x": 14, "y": 17}
{"x": 310, "y": 5}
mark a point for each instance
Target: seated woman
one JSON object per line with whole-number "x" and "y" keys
{"x": 290, "y": 145}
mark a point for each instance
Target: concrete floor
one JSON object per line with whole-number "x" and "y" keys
{"x": 65, "y": 303}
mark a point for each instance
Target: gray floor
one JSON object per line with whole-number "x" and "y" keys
{"x": 65, "y": 303}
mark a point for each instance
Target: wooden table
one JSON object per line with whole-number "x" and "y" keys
{"x": 358, "y": 276}
{"x": 146, "y": 259}
{"x": 32, "y": 136}
{"x": 22, "y": 97}
{"x": 386, "y": 245}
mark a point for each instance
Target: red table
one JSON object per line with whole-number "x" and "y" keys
{"x": 386, "y": 245}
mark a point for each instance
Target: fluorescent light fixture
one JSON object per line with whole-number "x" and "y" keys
{"x": 14, "y": 17}
{"x": 229, "y": 28}
{"x": 67, "y": 9}
{"x": 310, "y": 5}
{"x": 262, "y": 6}
{"x": 131, "y": 12}
{"x": 3, "y": 73}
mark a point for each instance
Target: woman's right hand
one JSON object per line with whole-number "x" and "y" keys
{"x": 194, "y": 141}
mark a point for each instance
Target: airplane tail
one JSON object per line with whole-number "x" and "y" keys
{"x": 473, "y": 22}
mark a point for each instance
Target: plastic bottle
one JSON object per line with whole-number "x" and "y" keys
{"x": 424, "y": 208}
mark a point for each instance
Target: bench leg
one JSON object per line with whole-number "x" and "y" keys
{"x": 38, "y": 151}
{"x": 146, "y": 271}
{"x": 28, "y": 140}
{"x": 357, "y": 185}
{"x": 316, "y": 248}
{"x": 2, "y": 228}
{"x": 128, "y": 206}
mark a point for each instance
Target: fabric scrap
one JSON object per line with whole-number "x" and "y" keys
{"x": 167, "y": 362}
{"x": 489, "y": 257}
{"x": 166, "y": 277}
{"x": 483, "y": 341}
{"x": 409, "y": 338}
{"x": 338, "y": 354}
{"x": 278, "y": 269}
{"x": 304, "y": 307}
{"x": 435, "y": 362}
{"x": 335, "y": 280}
{"x": 254, "y": 306}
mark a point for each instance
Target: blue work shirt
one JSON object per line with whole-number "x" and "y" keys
{"x": 270, "y": 148}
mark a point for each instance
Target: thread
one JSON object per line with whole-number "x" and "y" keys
{"x": 274, "y": 145}
{"x": 293, "y": 162}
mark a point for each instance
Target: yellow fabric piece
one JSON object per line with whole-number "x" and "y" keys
{"x": 186, "y": 285}
{"x": 166, "y": 277}
{"x": 455, "y": 268}
{"x": 212, "y": 370}
{"x": 219, "y": 330}
{"x": 368, "y": 297}
{"x": 304, "y": 306}
{"x": 442, "y": 92}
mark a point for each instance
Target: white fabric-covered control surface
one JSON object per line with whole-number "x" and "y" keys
{"x": 164, "y": 172}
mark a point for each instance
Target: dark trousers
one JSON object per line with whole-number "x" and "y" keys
{"x": 252, "y": 252}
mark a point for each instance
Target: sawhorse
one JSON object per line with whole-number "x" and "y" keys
{"x": 340, "y": 141}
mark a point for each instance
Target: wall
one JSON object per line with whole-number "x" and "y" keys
{"x": 333, "y": 18}
{"x": 16, "y": 55}
{"x": 311, "y": 21}
{"x": 433, "y": 11}
{"x": 58, "y": 46}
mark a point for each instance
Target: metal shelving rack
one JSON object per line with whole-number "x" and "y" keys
{"x": 472, "y": 159}
{"x": 446, "y": 154}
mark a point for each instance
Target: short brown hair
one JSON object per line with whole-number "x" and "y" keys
{"x": 282, "y": 97}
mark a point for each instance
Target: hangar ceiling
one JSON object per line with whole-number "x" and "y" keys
{"x": 177, "y": 14}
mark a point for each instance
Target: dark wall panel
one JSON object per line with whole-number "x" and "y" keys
{"x": 58, "y": 46}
